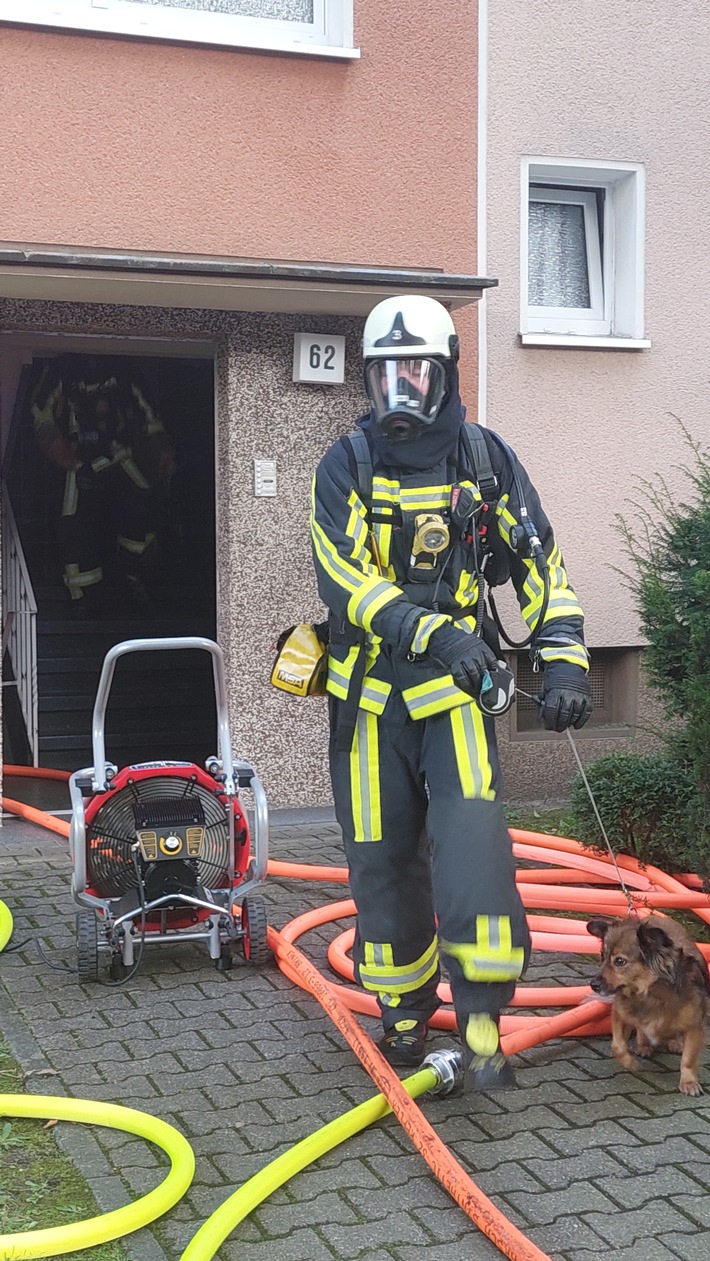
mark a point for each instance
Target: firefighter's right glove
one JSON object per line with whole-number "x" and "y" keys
{"x": 465, "y": 656}
{"x": 85, "y": 477}
{"x": 566, "y": 699}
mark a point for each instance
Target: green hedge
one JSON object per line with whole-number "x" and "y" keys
{"x": 651, "y": 809}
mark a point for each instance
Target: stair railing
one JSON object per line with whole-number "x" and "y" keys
{"x": 19, "y": 637}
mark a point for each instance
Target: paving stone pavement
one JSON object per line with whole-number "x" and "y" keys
{"x": 587, "y": 1160}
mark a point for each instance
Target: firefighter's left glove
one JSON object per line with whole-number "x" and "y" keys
{"x": 566, "y": 699}
{"x": 467, "y": 658}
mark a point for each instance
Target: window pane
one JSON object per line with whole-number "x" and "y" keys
{"x": 557, "y": 255}
{"x": 283, "y": 10}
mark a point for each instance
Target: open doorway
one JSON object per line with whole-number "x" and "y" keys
{"x": 109, "y": 486}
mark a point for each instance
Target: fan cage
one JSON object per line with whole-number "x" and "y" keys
{"x": 112, "y": 832}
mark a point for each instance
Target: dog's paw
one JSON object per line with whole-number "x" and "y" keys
{"x": 629, "y": 1062}
{"x": 644, "y": 1049}
{"x": 675, "y": 1046}
{"x": 690, "y": 1086}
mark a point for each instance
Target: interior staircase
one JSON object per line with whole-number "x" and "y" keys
{"x": 161, "y": 705}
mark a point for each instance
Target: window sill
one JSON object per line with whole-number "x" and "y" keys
{"x": 582, "y": 342}
{"x": 177, "y": 27}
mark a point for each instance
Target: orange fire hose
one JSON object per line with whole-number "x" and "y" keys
{"x": 555, "y": 888}
{"x": 440, "y": 1160}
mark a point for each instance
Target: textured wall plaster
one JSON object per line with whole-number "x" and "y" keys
{"x": 265, "y": 574}
{"x": 603, "y": 81}
{"x": 138, "y": 144}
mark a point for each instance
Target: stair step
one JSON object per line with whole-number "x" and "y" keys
{"x": 145, "y": 690}
{"x": 137, "y": 702}
{"x": 178, "y": 660}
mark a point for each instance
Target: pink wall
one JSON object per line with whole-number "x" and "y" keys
{"x": 152, "y": 146}
{"x": 603, "y": 81}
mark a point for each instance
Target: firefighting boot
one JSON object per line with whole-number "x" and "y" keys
{"x": 485, "y": 1065}
{"x": 404, "y": 1044}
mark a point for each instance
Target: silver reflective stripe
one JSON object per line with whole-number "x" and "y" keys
{"x": 442, "y": 693}
{"x": 369, "y": 598}
{"x": 398, "y": 978}
{"x": 472, "y": 748}
{"x": 71, "y": 494}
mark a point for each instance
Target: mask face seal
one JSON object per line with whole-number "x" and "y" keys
{"x": 405, "y": 394}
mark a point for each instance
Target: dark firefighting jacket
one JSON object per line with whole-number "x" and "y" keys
{"x": 64, "y": 404}
{"x": 381, "y": 622}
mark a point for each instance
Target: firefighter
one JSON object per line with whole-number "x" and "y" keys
{"x": 413, "y": 762}
{"x": 93, "y": 420}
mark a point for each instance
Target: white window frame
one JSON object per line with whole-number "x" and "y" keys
{"x": 615, "y": 318}
{"x": 594, "y": 318}
{"x": 330, "y": 34}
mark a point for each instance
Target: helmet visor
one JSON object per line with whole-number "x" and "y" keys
{"x": 413, "y": 387}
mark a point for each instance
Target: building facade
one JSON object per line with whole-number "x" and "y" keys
{"x": 200, "y": 184}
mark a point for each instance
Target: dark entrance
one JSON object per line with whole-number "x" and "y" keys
{"x": 162, "y": 705}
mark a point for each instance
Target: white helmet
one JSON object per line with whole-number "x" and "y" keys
{"x": 412, "y": 326}
{"x": 410, "y": 350}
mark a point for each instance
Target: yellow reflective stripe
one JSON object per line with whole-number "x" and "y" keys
{"x": 43, "y": 417}
{"x": 492, "y": 957}
{"x": 340, "y": 673}
{"x": 70, "y": 502}
{"x": 467, "y": 623}
{"x": 378, "y": 972}
{"x": 136, "y": 546}
{"x": 374, "y": 695}
{"x": 385, "y": 488}
{"x": 471, "y": 749}
{"x": 505, "y": 517}
{"x": 425, "y": 629}
{"x": 75, "y": 579}
{"x": 356, "y": 529}
{"x": 424, "y": 498}
{"x": 130, "y": 467}
{"x": 365, "y": 779}
{"x": 467, "y": 590}
{"x": 343, "y": 574}
{"x": 152, "y": 422}
{"x": 373, "y": 595}
{"x": 576, "y": 654}
{"x": 434, "y": 697}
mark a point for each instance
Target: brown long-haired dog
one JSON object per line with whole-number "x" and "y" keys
{"x": 660, "y": 987}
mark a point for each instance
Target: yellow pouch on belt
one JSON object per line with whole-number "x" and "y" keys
{"x": 301, "y": 665}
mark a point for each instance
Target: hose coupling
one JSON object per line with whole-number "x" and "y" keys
{"x": 448, "y": 1066}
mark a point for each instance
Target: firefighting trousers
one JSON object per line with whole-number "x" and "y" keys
{"x": 430, "y": 860}
{"x": 104, "y": 514}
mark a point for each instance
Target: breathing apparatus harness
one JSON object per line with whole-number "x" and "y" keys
{"x": 472, "y": 520}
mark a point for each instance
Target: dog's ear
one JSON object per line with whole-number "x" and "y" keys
{"x": 695, "y": 972}
{"x": 599, "y": 927}
{"x": 658, "y": 952}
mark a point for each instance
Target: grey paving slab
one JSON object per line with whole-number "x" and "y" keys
{"x": 585, "y": 1159}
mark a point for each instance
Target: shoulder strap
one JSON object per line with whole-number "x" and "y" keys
{"x": 360, "y": 461}
{"x": 481, "y": 466}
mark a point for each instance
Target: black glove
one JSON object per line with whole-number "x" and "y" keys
{"x": 465, "y": 656}
{"x": 85, "y": 477}
{"x": 566, "y": 696}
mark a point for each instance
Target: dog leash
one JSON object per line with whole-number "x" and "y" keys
{"x": 595, "y": 808}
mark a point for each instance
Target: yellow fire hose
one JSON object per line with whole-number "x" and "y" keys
{"x": 209, "y": 1237}
{"x": 59, "y": 1240}
{"x": 5, "y": 925}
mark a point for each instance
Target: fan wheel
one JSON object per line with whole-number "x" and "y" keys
{"x": 87, "y": 946}
{"x": 254, "y": 931}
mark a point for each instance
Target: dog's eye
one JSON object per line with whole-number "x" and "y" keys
{"x": 619, "y": 961}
